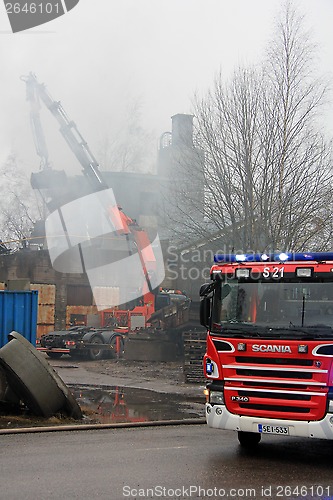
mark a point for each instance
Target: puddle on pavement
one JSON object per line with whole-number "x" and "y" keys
{"x": 124, "y": 404}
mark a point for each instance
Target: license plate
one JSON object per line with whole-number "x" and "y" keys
{"x": 273, "y": 429}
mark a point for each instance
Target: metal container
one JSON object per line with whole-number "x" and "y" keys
{"x": 18, "y": 311}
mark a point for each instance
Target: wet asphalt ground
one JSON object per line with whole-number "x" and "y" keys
{"x": 162, "y": 462}
{"x": 173, "y": 461}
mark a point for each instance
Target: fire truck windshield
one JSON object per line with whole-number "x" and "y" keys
{"x": 265, "y": 305}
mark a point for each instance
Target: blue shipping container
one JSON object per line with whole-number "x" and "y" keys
{"x": 18, "y": 311}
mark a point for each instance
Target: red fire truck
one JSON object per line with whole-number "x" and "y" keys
{"x": 268, "y": 361}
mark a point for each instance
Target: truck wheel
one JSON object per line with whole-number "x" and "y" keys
{"x": 96, "y": 354}
{"x": 249, "y": 440}
{"x": 117, "y": 342}
{"x": 54, "y": 355}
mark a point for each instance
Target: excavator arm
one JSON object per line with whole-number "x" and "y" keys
{"x": 123, "y": 226}
{"x": 37, "y": 92}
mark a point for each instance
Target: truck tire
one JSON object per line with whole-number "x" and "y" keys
{"x": 249, "y": 440}
{"x": 113, "y": 354}
{"x": 54, "y": 355}
{"x": 94, "y": 353}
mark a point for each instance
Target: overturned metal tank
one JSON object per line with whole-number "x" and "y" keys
{"x": 31, "y": 379}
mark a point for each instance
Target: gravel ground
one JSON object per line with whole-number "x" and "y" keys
{"x": 165, "y": 377}
{"x": 171, "y": 372}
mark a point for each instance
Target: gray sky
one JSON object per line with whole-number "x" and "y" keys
{"x": 106, "y": 54}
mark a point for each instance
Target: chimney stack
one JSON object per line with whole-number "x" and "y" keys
{"x": 182, "y": 130}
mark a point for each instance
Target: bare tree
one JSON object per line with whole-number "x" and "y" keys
{"x": 299, "y": 161}
{"x": 19, "y": 208}
{"x": 267, "y": 170}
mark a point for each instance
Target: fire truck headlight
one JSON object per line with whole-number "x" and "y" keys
{"x": 330, "y": 407}
{"x": 216, "y": 397}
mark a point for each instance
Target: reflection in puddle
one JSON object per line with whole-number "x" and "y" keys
{"x": 124, "y": 404}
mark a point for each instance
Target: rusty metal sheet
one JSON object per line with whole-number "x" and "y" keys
{"x": 45, "y": 314}
{"x": 43, "y": 329}
{"x": 79, "y": 311}
{"x": 46, "y": 293}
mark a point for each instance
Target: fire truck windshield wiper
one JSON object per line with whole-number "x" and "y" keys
{"x": 311, "y": 331}
{"x": 241, "y": 329}
{"x": 248, "y": 330}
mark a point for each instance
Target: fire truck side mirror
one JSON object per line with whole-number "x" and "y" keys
{"x": 205, "y": 308}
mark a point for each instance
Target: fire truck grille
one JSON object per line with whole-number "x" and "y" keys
{"x": 271, "y": 385}
{"x": 279, "y": 409}
{"x": 271, "y": 373}
{"x": 271, "y": 395}
{"x": 275, "y": 387}
{"x": 273, "y": 361}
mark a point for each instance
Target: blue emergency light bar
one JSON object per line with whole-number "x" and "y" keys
{"x": 274, "y": 257}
